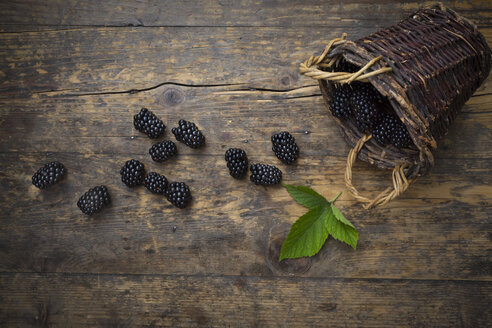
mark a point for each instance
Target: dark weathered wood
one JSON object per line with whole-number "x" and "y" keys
{"x": 98, "y": 60}
{"x": 103, "y": 123}
{"x": 181, "y": 301}
{"x": 442, "y": 219}
{"x": 222, "y": 13}
{"x": 68, "y": 92}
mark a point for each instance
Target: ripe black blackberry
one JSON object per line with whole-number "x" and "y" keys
{"x": 94, "y": 200}
{"x": 178, "y": 193}
{"x": 401, "y": 137}
{"x": 156, "y": 183}
{"x": 237, "y": 162}
{"x": 132, "y": 173}
{"x": 285, "y": 147}
{"x": 340, "y": 102}
{"x": 392, "y": 131}
{"x": 188, "y": 133}
{"x": 345, "y": 66}
{"x": 383, "y": 131}
{"x": 369, "y": 90}
{"x": 365, "y": 102}
{"x": 148, "y": 123}
{"x": 162, "y": 151}
{"x": 48, "y": 175}
{"x": 266, "y": 175}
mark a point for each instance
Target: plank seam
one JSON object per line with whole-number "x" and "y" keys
{"x": 214, "y": 276}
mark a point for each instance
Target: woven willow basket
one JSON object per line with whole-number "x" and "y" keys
{"x": 427, "y": 66}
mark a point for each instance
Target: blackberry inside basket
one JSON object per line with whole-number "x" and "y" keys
{"x": 362, "y": 106}
{"x": 395, "y": 92}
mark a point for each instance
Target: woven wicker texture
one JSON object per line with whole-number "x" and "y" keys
{"x": 427, "y": 66}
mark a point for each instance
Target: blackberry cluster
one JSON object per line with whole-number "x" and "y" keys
{"x": 364, "y": 101}
{"x": 382, "y": 133}
{"x": 132, "y": 173}
{"x": 392, "y": 131}
{"x": 188, "y": 133}
{"x": 285, "y": 147}
{"x": 345, "y": 66}
{"x": 401, "y": 138}
{"x": 360, "y": 101}
{"x": 340, "y": 102}
{"x": 148, "y": 123}
{"x": 94, "y": 200}
{"x": 162, "y": 151}
{"x": 266, "y": 175}
{"x": 371, "y": 92}
{"x": 178, "y": 193}
{"x": 48, "y": 175}
{"x": 156, "y": 183}
{"x": 237, "y": 162}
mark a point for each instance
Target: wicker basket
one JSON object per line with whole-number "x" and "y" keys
{"x": 427, "y": 66}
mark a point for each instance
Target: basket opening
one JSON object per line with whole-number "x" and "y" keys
{"x": 361, "y": 106}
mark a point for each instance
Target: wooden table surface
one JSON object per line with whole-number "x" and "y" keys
{"x": 72, "y": 75}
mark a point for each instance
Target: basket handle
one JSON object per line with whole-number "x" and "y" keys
{"x": 309, "y": 66}
{"x": 400, "y": 181}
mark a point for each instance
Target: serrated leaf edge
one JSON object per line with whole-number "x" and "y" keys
{"x": 323, "y": 210}
{"x": 319, "y": 199}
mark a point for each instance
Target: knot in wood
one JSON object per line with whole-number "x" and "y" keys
{"x": 172, "y": 97}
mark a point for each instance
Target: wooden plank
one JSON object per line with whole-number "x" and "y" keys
{"x": 224, "y": 13}
{"x": 98, "y": 60}
{"x": 123, "y": 59}
{"x": 92, "y": 134}
{"x": 102, "y": 124}
{"x": 182, "y": 301}
{"x": 228, "y": 228}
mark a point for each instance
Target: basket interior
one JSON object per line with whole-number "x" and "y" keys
{"x": 384, "y": 156}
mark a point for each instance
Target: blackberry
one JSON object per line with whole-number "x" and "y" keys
{"x": 364, "y": 101}
{"x": 285, "y": 147}
{"x": 48, "y": 175}
{"x": 266, "y": 175}
{"x": 400, "y": 137}
{"x": 345, "y": 66}
{"x": 178, "y": 193}
{"x": 369, "y": 90}
{"x": 94, "y": 200}
{"x": 392, "y": 131}
{"x": 162, "y": 151}
{"x": 156, "y": 183}
{"x": 339, "y": 103}
{"x": 383, "y": 131}
{"x": 148, "y": 123}
{"x": 188, "y": 133}
{"x": 132, "y": 173}
{"x": 237, "y": 162}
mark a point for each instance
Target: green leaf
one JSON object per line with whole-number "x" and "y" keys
{"x": 340, "y": 231}
{"x": 307, "y": 235}
{"x": 306, "y": 196}
{"x": 339, "y": 216}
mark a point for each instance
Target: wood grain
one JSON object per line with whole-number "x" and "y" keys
{"x": 184, "y": 301}
{"x": 125, "y": 60}
{"x": 72, "y": 74}
{"x": 103, "y": 123}
{"x": 227, "y": 227}
{"x": 287, "y": 13}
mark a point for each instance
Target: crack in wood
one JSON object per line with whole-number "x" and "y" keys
{"x": 134, "y": 91}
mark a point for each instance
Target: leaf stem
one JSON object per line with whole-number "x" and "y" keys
{"x": 336, "y": 197}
